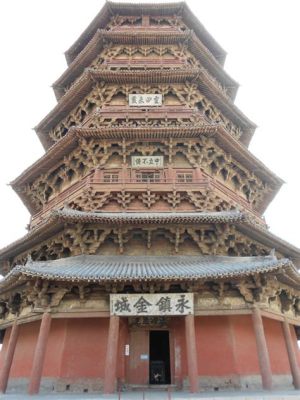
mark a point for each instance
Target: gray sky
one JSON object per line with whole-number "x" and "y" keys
{"x": 262, "y": 42}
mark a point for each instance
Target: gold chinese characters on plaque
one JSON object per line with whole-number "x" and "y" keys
{"x": 152, "y": 304}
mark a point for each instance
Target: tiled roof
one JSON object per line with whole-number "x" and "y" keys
{"x": 55, "y": 223}
{"x": 97, "y": 268}
{"x": 181, "y": 8}
{"x": 85, "y": 83}
{"x": 95, "y": 45}
{"x": 87, "y": 80}
{"x": 157, "y": 36}
{"x": 69, "y": 142}
{"x": 120, "y": 218}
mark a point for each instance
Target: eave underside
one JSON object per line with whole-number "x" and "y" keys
{"x": 94, "y": 47}
{"x": 223, "y": 138}
{"x": 85, "y": 83}
{"x": 59, "y": 219}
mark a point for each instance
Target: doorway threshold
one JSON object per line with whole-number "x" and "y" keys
{"x": 151, "y": 387}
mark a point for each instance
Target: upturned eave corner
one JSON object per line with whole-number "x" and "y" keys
{"x": 113, "y": 8}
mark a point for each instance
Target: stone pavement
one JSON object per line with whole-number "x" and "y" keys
{"x": 157, "y": 395}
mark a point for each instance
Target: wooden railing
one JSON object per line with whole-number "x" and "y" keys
{"x": 95, "y": 183}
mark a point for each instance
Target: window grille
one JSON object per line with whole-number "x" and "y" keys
{"x": 184, "y": 177}
{"x": 111, "y": 178}
{"x": 148, "y": 177}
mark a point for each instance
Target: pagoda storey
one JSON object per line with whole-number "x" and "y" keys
{"x": 147, "y": 261}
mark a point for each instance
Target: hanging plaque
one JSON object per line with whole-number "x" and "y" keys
{"x": 147, "y": 161}
{"x": 152, "y": 304}
{"x": 145, "y": 100}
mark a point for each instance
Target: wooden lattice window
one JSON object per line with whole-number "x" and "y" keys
{"x": 147, "y": 177}
{"x": 110, "y": 177}
{"x": 184, "y": 177}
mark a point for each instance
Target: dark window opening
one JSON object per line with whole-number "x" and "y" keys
{"x": 184, "y": 177}
{"x": 159, "y": 358}
{"x": 148, "y": 177}
{"x": 111, "y": 178}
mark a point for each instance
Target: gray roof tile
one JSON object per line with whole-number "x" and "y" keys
{"x": 94, "y": 268}
{"x": 151, "y": 217}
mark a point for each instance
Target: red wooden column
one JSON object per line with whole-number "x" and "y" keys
{"x": 191, "y": 352}
{"x": 7, "y": 362}
{"x": 262, "y": 350}
{"x": 111, "y": 355}
{"x": 39, "y": 355}
{"x": 291, "y": 353}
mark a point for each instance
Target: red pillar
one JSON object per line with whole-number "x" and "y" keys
{"x": 262, "y": 350}
{"x": 291, "y": 353}
{"x": 191, "y": 353}
{"x": 39, "y": 355}
{"x": 111, "y": 355}
{"x": 7, "y": 362}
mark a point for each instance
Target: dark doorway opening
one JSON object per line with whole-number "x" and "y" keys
{"x": 159, "y": 358}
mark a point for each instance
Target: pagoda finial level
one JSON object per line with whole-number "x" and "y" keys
{"x": 176, "y": 10}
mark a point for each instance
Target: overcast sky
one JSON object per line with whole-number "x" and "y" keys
{"x": 261, "y": 38}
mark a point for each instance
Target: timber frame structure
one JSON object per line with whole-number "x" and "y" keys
{"x": 147, "y": 190}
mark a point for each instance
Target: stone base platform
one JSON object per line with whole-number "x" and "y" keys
{"x": 159, "y": 395}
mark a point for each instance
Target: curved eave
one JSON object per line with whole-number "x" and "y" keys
{"x": 32, "y": 238}
{"x": 180, "y": 8}
{"x": 59, "y": 218}
{"x": 104, "y": 269}
{"x": 271, "y": 240}
{"x": 246, "y": 138}
{"x": 94, "y": 47}
{"x": 85, "y": 83}
{"x": 223, "y": 139}
{"x": 269, "y": 197}
{"x": 152, "y": 218}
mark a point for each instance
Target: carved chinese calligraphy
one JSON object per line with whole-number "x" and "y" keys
{"x": 151, "y": 304}
{"x": 147, "y": 161}
{"x": 147, "y": 99}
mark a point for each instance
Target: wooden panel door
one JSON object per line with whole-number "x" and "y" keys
{"x": 138, "y": 360}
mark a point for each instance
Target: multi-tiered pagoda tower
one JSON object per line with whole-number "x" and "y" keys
{"x": 147, "y": 260}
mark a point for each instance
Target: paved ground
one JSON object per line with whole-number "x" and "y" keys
{"x": 282, "y": 395}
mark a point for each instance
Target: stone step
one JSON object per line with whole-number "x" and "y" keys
{"x": 159, "y": 388}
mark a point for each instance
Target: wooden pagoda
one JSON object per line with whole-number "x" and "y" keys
{"x": 147, "y": 260}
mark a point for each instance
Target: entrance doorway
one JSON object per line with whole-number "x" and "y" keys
{"x": 159, "y": 346}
